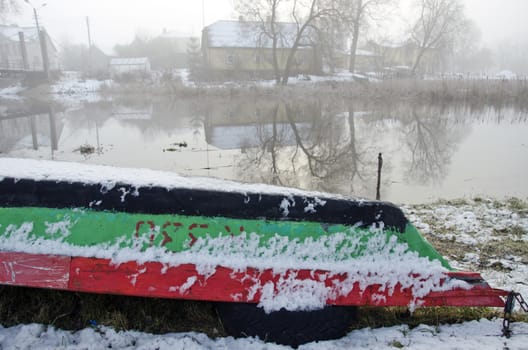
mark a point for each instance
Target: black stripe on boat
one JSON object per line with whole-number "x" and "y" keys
{"x": 185, "y": 201}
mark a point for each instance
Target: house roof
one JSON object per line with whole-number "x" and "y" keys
{"x": 249, "y": 34}
{"x": 132, "y": 61}
{"x": 10, "y": 32}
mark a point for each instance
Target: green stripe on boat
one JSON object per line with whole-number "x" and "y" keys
{"x": 86, "y": 227}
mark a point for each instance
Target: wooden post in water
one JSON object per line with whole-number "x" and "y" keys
{"x": 53, "y": 130}
{"x": 34, "y": 137}
{"x": 380, "y": 165}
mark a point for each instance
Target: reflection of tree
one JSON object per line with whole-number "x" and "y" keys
{"x": 331, "y": 154}
{"x": 271, "y": 138}
{"x": 306, "y": 147}
{"x": 431, "y": 139}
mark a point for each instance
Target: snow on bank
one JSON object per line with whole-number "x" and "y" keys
{"x": 485, "y": 235}
{"x": 471, "y": 223}
{"x": 72, "y": 91}
{"x": 11, "y": 92}
{"x": 475, "y": 335}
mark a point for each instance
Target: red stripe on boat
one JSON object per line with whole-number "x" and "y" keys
{"x": 154, "y": 279}
{"x": 31, "y": 270}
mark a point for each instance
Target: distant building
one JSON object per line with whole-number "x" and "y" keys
{"x": 130, "y": 66}
{"x": 401, "y": 56}
{"x": 366, "y": 61}
{"x": 243, "y": 46}
{"x": 11, "y": 52}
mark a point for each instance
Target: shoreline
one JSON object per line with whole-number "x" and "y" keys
{"x": 474, "y": 92}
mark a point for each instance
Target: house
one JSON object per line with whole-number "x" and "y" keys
{"x": 401, "y": 56}
{"x": 12, "y": 52}
{"x": 366, "y": 61}
{"x": 139, "y": 66}
{"x": 244, "y": 46}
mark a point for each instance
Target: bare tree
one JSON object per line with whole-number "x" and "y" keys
{"x": 305, "y": 15}
{"x": 358, "y": 14}
{"x": 264, "y": 13}
{"x": 439, "y": 22}
{"x": 8, "y": 6}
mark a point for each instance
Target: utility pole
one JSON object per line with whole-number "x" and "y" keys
{"x": 89, "y": 44}
{"x": 203, "y": 14}
{"x": 36, "y": 18}
{"x": 42, "y": 40}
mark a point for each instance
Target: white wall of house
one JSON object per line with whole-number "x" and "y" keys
{"x": 120, "y": 66}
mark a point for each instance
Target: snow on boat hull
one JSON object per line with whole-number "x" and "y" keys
{"x": 63, "y": 229}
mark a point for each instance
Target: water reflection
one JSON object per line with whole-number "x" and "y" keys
{"x": 331, "y": 145}
{"x": 34, "y": 125}
{"x": 309, "y": 146}
{"x": 430, "y": 138}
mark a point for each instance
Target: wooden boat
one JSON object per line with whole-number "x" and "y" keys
{"x": 139, "y": 232}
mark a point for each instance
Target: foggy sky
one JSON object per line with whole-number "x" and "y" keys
{"x": 117, "y": 21}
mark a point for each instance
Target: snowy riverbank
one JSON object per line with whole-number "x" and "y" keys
{"x": 474, "y": 335}
{"x": 484, "y": 235}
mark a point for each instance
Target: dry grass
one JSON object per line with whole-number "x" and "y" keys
{"x": 74, "y": 311}
{"x": 475, "y": 93}
{"x": 375, "y": 317}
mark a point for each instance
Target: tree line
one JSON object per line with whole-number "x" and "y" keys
{"x": 340, "y": 25}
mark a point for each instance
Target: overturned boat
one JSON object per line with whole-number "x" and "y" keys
{"x": 268, "y": 255}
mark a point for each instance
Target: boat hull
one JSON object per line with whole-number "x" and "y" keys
{"x": 226, "y": 242}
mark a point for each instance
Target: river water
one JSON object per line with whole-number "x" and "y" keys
{"x": 429, "y": 151}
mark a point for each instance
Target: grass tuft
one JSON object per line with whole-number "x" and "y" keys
{"x": 517, "y": 204}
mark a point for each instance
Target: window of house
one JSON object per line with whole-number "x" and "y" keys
{"x": 299, "y": 60}
{"x": 230, "y": 60}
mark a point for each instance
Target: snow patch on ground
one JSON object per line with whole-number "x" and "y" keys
{"x": 72, "y": 90}
{"x": 472, "y": 227}
{"x": 469, "y": 224}
{"x": 11, "y": 92}
{"x": 301, "y": 79}
{"x": 475, "y": 335}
